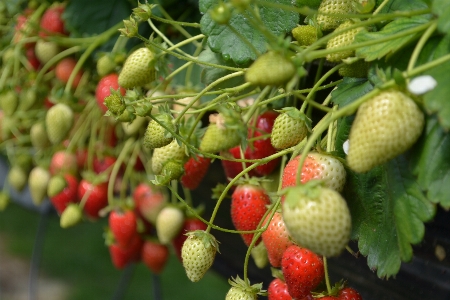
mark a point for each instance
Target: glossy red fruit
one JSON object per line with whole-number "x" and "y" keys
{"x": 154, "y": 255}
{"x": 82, "y": 155}
{"x": 248, "y": 206}
{"x": 190, "y": 224}
{"x": 302, "y": 270}
{"x": 63, "y": 162}
{"x": 232, "y": 168}
{"x": 32, "y": 59}
{"x": 123, "y": 226}
{"x": 194, "y": 171}
{"x": 110, "y": 81}
{"x": 52, "y": 22}
{"x": 103, "y": 164}
{"x": 97, "y": 197}
{"x": 148, "y": 201}
{"x": 346, "y": 293}
{"x": 278, "y": 290}
{"x": 276, "y": 239}
{"x": 121, "y": 256}
{"x": 67, "y": 195}
{"x": 64, "y": 69}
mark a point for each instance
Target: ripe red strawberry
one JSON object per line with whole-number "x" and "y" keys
{"x": 103, "y": 164}
{"x": 97, "y": 197}
{"x": 64, "y": 69}
{"x": 232, "y": 168}
{"x": 276, "y": 239}
{"x": 302, "y": 270}
{"x": 104, "y": 87}
{"x": 32, "y": 58}
{"x": 317, "y": 218}
{"x": 67, "y": 195}
{"x": 385, "y": 126}
{"x": 123, "y": 226}
{"x": 194, "y": 171}
{"x": 278, "y": 290}
{"x": 248, "y": 206}
{"x": 123, "y": 256}
{"x": 190, "y": 224}
{"x": 52, "y": 22}
{"x": 346, "y": 293}
{"x": 154, "y": 255}
{"x": 317, "y": 166}
{"x": 149, "y": 201}
{"x": 63, "y": 162}
{"x": 138, "y": 69}
{"x": 169, "y": 223}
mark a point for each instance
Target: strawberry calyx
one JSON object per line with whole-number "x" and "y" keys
{"x": 297, "y": 115}
{"x": 277, "y": 273}
{"x": 333, "y": 292}
{"x": 255, "y": 289}
{"x": 311, "y": 189}
{"x": 207, "y": 239}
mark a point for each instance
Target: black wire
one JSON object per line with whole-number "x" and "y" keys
{"x": 124, "y": 282}
{"x": 157, "y": 293}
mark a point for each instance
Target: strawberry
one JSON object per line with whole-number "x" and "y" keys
{"x": 317, "y": 166}
{"x": 133, "y": 128}
{"x": 104, "y": 87}
{"x": 289, "y": 129}
{"x": 190, "y": 224}
{"x": 347, "y": 293}
{"x": 71, "y": 216}
{"x": 302, "y": 270}
{"x": 242, "y": 290}
{"x": 96, "y": 199}
{"x": 105, "y": 65}
{"x": 4, "y": 200}
{"x": 64, "y": 69}
{"x": 157, "y": 136}
{"x": 259, "y": 255}
{"x": 278, "y": 290}
{"x": 52, "y": 22}
{"x": 58, "y": 121}
{"x": 194, "y": 171}
{"x": 171, "y": 170}
{"x": 63, "y": 162}
{"x": 123, "y": 226}
{"x": 123, "y": 256}
{"x": 9, "y": 101}
{"x": 385, "y": 126}
{"x": 271, "y": 68}
{"x": 222, "y": 133}
{"x": 172, "y": 151}
{"x": 169, "y": 223}
{"x": 103, "y": 164}
{"x": 358, "y": 69}
{"x": 344, "y": 39}
{"x": 32, "y": 58}
{"x": 329, "y": 10}
{"x": 317, "y": 218}
{"x": 17, "y": 177}
{"x": 45, "y": 51}
{"x": 68, "y": 194}
{"x": 305, "y": 34}
{"x": 248, "y": 206}
{"x": 37, "y": 182}
{"x": 154, "y": 256}
{"x": 198, "y": 253}
{"x": 148, "y": 201}
{"x": 138, "y": 69}
{"x": 232, "y": 168}
{"x": 115, "y": 104}
{"x": 276, "y": 239}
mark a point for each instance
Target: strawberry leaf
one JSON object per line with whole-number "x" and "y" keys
{"x": 432, "y": 163}
{"x": 442, "y": 9}
{"x": 222, "y": 39}
{"x": 388, "y": 210}
{"x": 349, "y": 90}
{"x": 401, "y": 5}
{"x": 381, "y": 49}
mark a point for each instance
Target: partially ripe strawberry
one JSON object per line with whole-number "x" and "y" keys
{"x": 169, "y": 223}
{"x": 58, "y": 121}
{"x": 346, "y": 38}
{"x": 32, "y": 58}
{"x": 385, "y": 126}
{"x": 271, "y": 68}
{"x": 317, "y": 218}
{"x": 154, "y": 255}
{"x": 63, "y": 162}
{"x": 52, "y": 22}
{"x": 289, "y": 129}
{"x": 138, "y": 69}
{"x": 329, "y": 10}
{"x": 67, "y": 195}
{"x": 194, "y": 171}
{"x": 104, "y": 87}
{"x": 148, "y": 201}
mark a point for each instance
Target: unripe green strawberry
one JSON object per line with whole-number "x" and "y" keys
{"x": 344, "y": 39}
{"x": 305, "y": 34}
{"x": 384, "y": 127}
{"x": 169, "y": 223}
{"x": 198, "y": 253}
{"x": 358, "y": 69}
{"x": 289, "y": 129}
{"x": 138, "y": 69}
{"x": 336, "y": 7}
{"x": 38, "y": 183}
{"x": 157, "y": 136}
{"x": 38, "y": 136}
{"x": 71, "y": 216}
{"x": 133, "y": 127}
{"x": 115, "y": 104}
{"x": 172, "y": 151}
{"x": 271, "y": 68}
{"x": 17, "y": 178}
{"x": 7, "y": 124}
{"x": 28, "y": 98}
{"x": 9, "y": 102}
{"x": 259, "y": 255}
{"x": 45, "y": 51}
{"x": 105, "y": 65}
{"x": 242, "y": 290}
{"x": 317, "y": 218}
{"x": 55, "y": 185}
{"x": 172, "y": 170}
{"x": 58, "y": 121}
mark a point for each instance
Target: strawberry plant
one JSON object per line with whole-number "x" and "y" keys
{"x": 340, "y": 107}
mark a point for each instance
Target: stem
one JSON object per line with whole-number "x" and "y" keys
{"x": 420, "y": 44}
{"x": 172, "y": 22}
{"x": 327, "y": 277}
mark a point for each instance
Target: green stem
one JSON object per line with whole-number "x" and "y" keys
{"x": 327, "y": 277}
{"x": 420, "y": 44}
{"x": 172, "y": 22}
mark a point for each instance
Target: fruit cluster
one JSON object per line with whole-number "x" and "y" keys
{"x": 114, "y": 135}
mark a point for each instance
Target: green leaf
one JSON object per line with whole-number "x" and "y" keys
{"x": 381, "y": 49}
{"x": 223, "y": 39}
{"x": 388, "y": 210}
{"x": 402, "y": 5}
{"x": 442, "y": 9}
{"x": 349, "y": 90}
{"x": 432, "y": 163}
